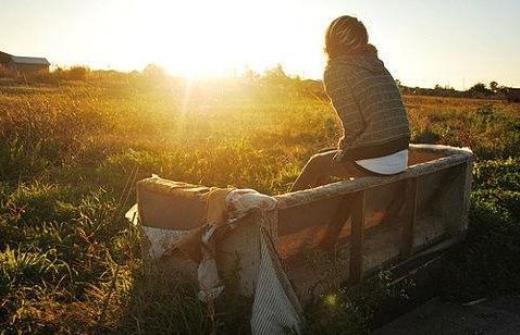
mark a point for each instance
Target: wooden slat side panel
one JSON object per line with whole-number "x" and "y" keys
{"x": 326, "y": 223}
{"x": 409, "y": 218}
{"x": 358, "y": 227}
{"x": 319, "y": 212}
{"x": 439, "y": 207}
{"x": 305, "y": 227}
{"x": 334, "y": 228}
{"x": 457, "y": 202}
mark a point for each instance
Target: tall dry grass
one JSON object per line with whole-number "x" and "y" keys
{"x": 71, "y": 151}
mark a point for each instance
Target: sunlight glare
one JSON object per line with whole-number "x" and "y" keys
{"x": 207, "y": 38}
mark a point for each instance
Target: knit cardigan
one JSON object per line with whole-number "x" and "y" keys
{"x": 367, "y": 100}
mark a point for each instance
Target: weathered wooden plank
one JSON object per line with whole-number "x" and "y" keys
{"x": 356, "y": 246}
{"x": 409, "y": 217}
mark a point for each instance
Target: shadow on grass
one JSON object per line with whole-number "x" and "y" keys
{"x": 162, "y": 301}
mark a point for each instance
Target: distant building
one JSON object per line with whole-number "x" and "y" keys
{"x": 24, "y": 64}
{"x": 513, "y": 94}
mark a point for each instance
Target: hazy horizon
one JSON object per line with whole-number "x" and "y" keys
{"x": 455, "y": 43}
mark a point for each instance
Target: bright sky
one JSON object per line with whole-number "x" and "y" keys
{"x": 423, "y": 42}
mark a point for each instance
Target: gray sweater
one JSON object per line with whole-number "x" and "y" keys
{"x": 367, "y": 100}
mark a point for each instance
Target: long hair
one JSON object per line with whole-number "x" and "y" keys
{"x": 347, "y": 35}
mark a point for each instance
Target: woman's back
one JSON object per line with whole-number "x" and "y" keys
{"x": 369, "y": 104}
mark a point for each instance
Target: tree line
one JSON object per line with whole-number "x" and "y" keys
{"x": 480, "y": 91}
{"x": 274, "y": 78}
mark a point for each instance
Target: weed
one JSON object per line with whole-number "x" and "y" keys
{"x": 70, "y": 151}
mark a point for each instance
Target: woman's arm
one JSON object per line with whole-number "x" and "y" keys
{"x": 338, "y": 89}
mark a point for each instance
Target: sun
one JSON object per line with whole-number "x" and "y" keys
{"x": 195, "y": 38}
{"x": 203, "y": 38}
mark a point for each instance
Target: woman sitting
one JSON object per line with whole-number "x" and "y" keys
{"x": 367, "y": 100}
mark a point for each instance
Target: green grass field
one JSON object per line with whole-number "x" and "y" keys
{"x": 70, "y": 154}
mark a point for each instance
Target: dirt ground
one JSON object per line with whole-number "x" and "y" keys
{"x": 499, "y": 316}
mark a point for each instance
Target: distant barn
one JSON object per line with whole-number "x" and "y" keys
{"x": 24, "y": 64}
{"x": 513, "y": 94}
